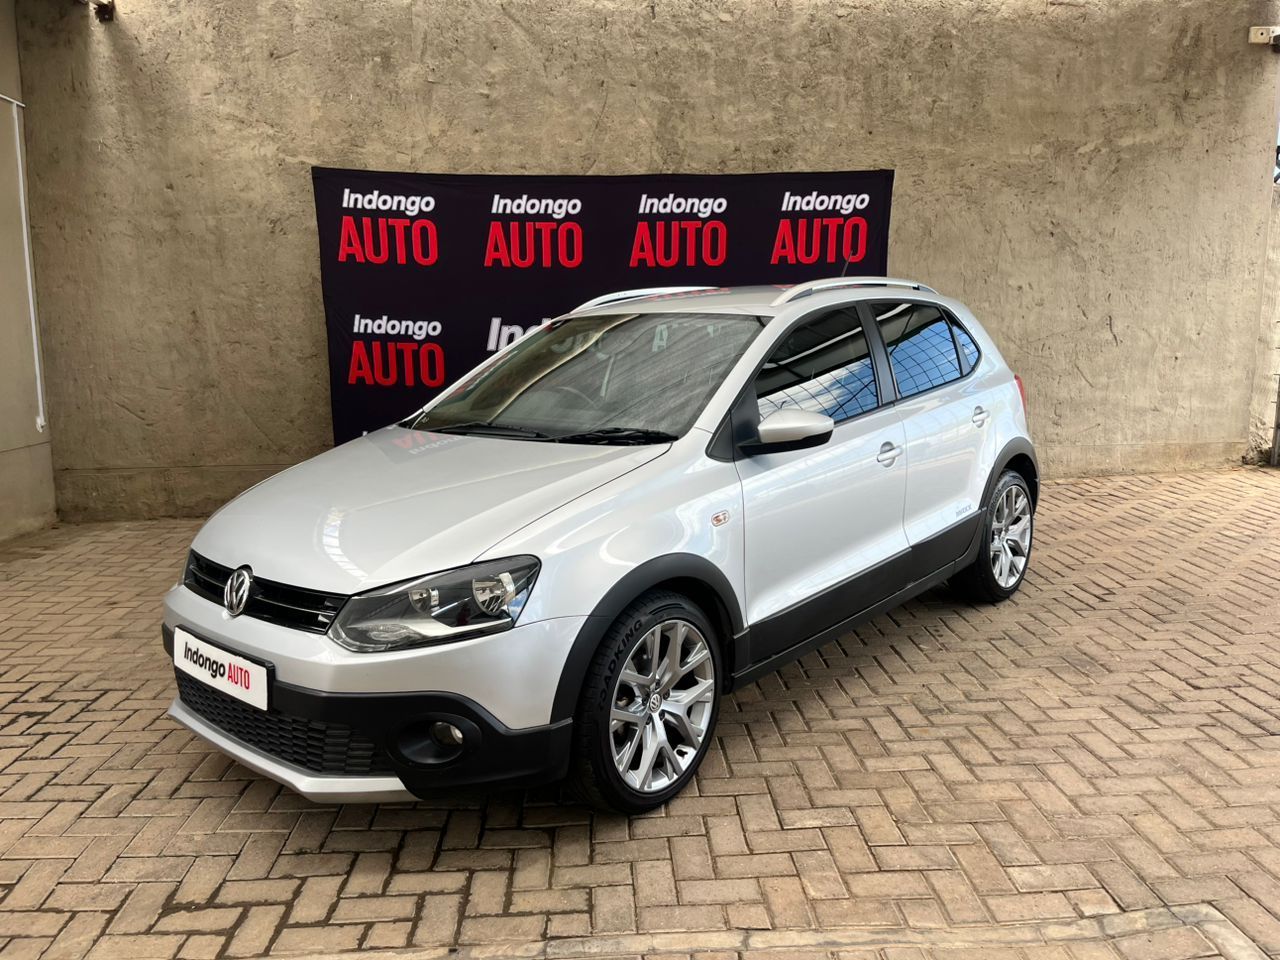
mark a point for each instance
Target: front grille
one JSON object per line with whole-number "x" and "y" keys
{"x": 273, "y": 602}
{"x": 328, "y": 748}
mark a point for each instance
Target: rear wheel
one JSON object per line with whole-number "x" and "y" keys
{"x": 1001, "y": 565}
{"x": 649, "y": 705}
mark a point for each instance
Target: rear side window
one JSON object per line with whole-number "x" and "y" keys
{"x": 822, "y": 366}
{"x": 922, "y": 353}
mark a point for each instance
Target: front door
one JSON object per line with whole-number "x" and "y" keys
{"x": 824, "y": 535}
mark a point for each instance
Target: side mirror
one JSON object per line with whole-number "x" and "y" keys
{"x": 790, "y": 429}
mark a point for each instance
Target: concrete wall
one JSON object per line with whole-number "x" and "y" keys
{"x": 26, "y": 462}
{"x": 1092, "y": 176}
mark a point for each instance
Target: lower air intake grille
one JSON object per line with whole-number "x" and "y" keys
{"x": 328, "y": 748}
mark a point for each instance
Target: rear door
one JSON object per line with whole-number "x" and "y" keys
{"x": 823, "y": 526}
{"x": 944, "y": 413}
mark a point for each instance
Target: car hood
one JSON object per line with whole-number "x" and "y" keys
{"x": 399, "y": 503}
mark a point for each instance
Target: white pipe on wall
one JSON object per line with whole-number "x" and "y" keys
{"x": 41, "y": 422}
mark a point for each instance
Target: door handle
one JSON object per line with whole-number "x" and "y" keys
{"x": 980, "y": 416}
{"x": 888, "y": 454}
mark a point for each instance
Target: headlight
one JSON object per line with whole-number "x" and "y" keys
{"x": 455, "y": 605}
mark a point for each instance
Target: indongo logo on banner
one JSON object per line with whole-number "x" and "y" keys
{"x": 817, "y": 202}
{"x": 701, "y": 207}
{"x": 525, "y": 206}
{"x": 418, "y": 329}
{"x": 410, "y": 205}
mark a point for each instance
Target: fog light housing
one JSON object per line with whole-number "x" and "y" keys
{"x": 435, "y": 741}
{"x": 447, "y": 735}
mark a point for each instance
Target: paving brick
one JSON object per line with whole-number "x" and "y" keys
{"x": 258, "y": 891}
{"x": 205, "y": 946}
{"x": 487, "y": 929}
{"x": 77, "y": 938}
{"x": 255, "y": 931}
{"x": 612, "y": 910}
{"x": 1030, "y": 906}
{"x": 655, "y": 883}
{"x": 87, "y": 897}
{"x": 1180, "y": 943}
{"x": 36, "y": 884}
{"x": 387, "y": 935}
{"x": 1058, "y": 876}
{"x": 199, "y": 919}
{"x": 314, "y": 940}
{"x": 366, "y": 909}
{"x": 818, "y": 874}
{"x": 757, "y": 865}
{"x": 315, "y": 900}
{"x": 680, "y": 919}
{"x": 136, "y": 947}
{"x": 787, "y": 904}
{"x": 438, "y": 917}
{"x": 551, "y": 901}
{"x": 142, "y": 909}
{"x": 488, "y": 892}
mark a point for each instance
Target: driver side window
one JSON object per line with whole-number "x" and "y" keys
{"x": 823, "y": 366}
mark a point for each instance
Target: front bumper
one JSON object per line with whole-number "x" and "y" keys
{"x": 317, "y": 787}
{"x": 344, "y": 747}
{"x": 514, "y": 674}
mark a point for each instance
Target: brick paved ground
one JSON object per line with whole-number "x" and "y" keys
{"x": 1090, "y": 771}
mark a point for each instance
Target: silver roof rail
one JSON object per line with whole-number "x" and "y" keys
{"x": 638, "y": 294}
{"x": 835, "y": 283}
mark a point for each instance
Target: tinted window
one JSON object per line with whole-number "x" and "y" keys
{"x": 921, "y": 351}
{"x": 968, "y": 349}
{"x": 822, "y": 366}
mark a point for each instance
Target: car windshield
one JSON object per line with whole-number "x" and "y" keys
{"x": 618, "y": 378}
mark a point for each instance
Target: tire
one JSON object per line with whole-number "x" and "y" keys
{"x": 993, "y": 577}
{"x": 635, "y": 764}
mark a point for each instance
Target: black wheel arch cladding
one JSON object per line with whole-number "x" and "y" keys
{"x": 1020, "y": 456}
{"x": 695, "y": 577}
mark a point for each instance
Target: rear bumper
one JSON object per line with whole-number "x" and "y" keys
{"x": 308, "y": 738}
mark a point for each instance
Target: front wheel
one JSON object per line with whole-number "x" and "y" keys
{"x": 649, "y": 705}
{"x": 1001, "y": 565}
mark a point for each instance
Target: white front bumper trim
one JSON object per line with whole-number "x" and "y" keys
{"x": 322, "y": 789}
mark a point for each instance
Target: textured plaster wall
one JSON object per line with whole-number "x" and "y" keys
{"x": 1092, "y": 176}
{"x": 26, "y": 461}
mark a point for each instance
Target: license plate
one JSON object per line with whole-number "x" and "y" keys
{"x": 235, "y": 676}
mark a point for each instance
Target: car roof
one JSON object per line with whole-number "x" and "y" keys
{"x": 762, "y": 300}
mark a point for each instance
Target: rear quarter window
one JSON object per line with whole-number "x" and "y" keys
{"x": 922, "y": 351}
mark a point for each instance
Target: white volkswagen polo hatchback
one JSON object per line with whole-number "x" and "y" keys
{"x": 560, "y": 564}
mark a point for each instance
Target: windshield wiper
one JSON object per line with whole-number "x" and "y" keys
{"x": 485, "y": 428}
{"x": 618, "y": 435}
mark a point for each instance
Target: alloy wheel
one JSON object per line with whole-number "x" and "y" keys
{"x": 1010, "y": 536}
{"x": 662, "y": 703}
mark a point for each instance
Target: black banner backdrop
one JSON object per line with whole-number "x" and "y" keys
{"x": 426, "y": 275}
